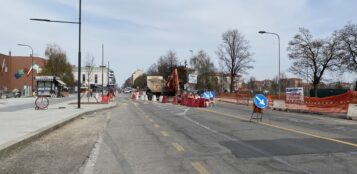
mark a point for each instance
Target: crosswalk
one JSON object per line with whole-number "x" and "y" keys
{"x": 173, "y": 109}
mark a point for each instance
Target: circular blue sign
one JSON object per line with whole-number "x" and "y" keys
{"x": 260, "y": 101}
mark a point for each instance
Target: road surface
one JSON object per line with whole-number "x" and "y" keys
{"x": 148, "y": 137}
{"x": 143, "y": 137}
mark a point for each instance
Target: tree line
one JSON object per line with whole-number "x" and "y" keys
{"x": 58, "y": 65}
{"x": 311, "y": 57}
{"x": 233, "y": 53}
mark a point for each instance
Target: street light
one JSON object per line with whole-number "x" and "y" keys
{"x": 24, "y": 45}
{"x": 102, "y": 70}
{"x": 277, "y": 35}
{"x": 79, "y": 47}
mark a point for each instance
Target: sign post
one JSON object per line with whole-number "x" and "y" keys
{"x": 260, "y": 102}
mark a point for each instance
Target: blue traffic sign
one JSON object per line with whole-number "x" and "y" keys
{"x": 206, "y": 95}
{"x": 260, "y": 101}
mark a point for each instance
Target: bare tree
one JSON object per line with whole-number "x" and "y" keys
{"x": 152, "y": 70}
{"x": 204, "y": 66}
{"x": 167, "y": 63}
{"x": 348, "y": 41}
{"x": 234, "y": 53}
{"x": 316, "y": 55}
{"x": 90, "y": 64}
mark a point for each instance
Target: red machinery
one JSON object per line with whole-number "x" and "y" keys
{"x": 173, "y": 84}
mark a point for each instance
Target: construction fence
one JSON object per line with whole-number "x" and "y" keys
{"x": 332, "y": 104}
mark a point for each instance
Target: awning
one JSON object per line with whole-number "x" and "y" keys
{"x": 45, "y": 78}
{"x": 61, "y": 82}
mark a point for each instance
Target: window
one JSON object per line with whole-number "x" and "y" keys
{"x": 83, "y": 77}
{"x": 96, "y": 78}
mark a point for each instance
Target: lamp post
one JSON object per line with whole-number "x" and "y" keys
{"x": 79, "y": 47}
{"x": 24, "y": 45}
{"x": 102, "y": 70}
{"x": 277, "y": 35}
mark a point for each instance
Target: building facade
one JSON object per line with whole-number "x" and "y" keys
{"x": 92, "y": 76}
{"x": 137, "y": 74}
{"x": 15, "y": 73}
{"x": 223, "y": 82}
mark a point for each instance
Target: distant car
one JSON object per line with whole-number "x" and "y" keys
{"x": 127, "y": 90}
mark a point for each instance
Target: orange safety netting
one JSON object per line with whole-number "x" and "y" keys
{"x": 354, "y": 97}
{"x": 332, "y": 104}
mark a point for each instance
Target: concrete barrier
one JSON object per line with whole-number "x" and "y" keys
{"x": 160, "y": 98}
{"x": 279, "y": 104}
{"x": 352, "y": 112}
{"x": 154, "y": 98}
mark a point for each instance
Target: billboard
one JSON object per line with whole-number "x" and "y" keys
{"x": 192, "y": 78}
{"x": 295, "y": 95}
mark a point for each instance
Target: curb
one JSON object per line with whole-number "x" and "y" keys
{"x": 7, "y": 148}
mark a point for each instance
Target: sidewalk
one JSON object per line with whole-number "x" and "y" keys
{"x": 16, "y": 101}
{"x": 19, "y": 127}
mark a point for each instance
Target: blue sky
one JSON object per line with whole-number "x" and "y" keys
{"x": 137, "y": 32}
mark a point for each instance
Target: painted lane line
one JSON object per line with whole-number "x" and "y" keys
{"x": 200, "y": 169}
{"x": 286, "y": 129}
{"x": 164, "y": 133}
{"x": 309, "y": 134}
{"x": 244, "y": 144}
{"x": 156, "y": 126}
{"x": 178, "y": 147}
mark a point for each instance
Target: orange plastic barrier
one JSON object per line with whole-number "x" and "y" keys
{"x": 165, "y": 99}
{"x": 175, "y": 100}
{"x": 105, "y": 99}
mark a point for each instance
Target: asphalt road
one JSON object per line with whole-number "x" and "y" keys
{"x": 148, "y": 137}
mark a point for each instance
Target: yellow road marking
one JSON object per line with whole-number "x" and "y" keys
{"x": 164, "y": 133}
{"x": 156, "y": 125}
{"x": 151, "y": 120}
{"x": 178, "y": 147}
{"x": 287, "y": 129}
{"x": 200, "y": 169}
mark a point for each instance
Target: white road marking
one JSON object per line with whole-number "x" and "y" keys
{"x": 91, "y": 161}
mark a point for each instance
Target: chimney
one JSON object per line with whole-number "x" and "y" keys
{"x": 9, "y": 53}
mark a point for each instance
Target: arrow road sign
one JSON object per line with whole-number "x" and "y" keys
{"x": 260, "y": 101}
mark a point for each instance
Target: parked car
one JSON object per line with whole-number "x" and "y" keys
{"x": 127, "y": 90}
